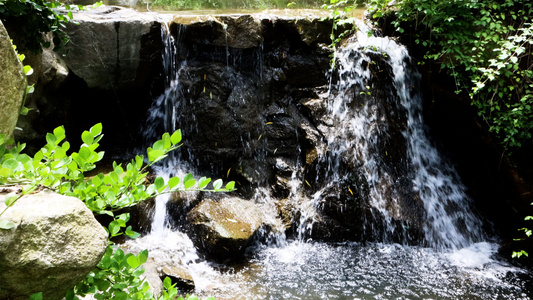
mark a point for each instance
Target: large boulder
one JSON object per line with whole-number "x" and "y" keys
{"x": 105, "y": 46}
{"x": 55, "y": 243}
{"x": 13, "y": 83}
{"x": 224, "y": 228}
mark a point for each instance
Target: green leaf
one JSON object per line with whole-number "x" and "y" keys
{"x": 203, "y": 182}
{"x": 10, "y": 199}
{"x": 166, "y": 141}
{"x": 188, "y": 177}
{"x": 114, "y": 228}
{"x": 175, "y": 138}
{"x": 159, "y": 184}
{"x": 87, "y": 137}
{"x": 217, "y": 184}
{"x": 85, "y": 153}
{"x": 70, "y": 295}
{"x": 11, "y": 163}
{"x": 118, "y": 255}
{"x": 167, "y": 283}
{"x": 173, "y": 182}
{"x": 97, "y": 181}
{"x": 51, "y": 139}
{"x": 24, "y": 110}
{"x": 133, "y": 261}
{"x": 189, "y": 183}
{"x": 143, "y": 256}
{"x": 151, "y": 189}
{"x": 124, "y": 217}
{"x": 159, "y": 145}
{"x": 230, "y": 186}
{"x": 155, "y": 155}
{"x": 59, "y": 133}
{"x": 138, "y": 161}
{"x": 132, "y": 234}
{"x": 5, "y": 224}
{"x": 120, "y": 295}
{"x": 36, "y": 296}
{"x": 27, "y": 70}
{"x": 5, "y": 172}
{"x": 96, "y": 129}
{"x": 110, "y": 196}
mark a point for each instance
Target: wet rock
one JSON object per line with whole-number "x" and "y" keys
{"x": 235, "y": 31}
{"x": 223, "y": 228}
{"x": 156, "y": 271}
{"x": 153, "y": 276}
{"x": 13, "y": 83}
{"x": 179, "y": 276}
{"x": 55, "y": 243}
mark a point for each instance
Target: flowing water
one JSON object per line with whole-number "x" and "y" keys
{"x": 454, "y": 258}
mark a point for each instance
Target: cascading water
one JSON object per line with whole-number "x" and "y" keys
{"x": 426, "y": 242}
{"x": 365, "y": 121}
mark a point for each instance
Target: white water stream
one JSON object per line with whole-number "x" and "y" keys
{"x": 455, "y": 261}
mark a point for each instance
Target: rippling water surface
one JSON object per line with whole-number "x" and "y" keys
{"x": 376, "y": 271}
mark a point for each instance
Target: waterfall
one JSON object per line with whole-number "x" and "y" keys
{"x": 377, "y": 178}
{"x": 377, "y": 125}
{"x": 376, "y": 146}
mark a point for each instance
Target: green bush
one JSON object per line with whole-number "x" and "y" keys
{"x": 28, "y": 21}
{"x": 56, "y": 167}
{"x": 486, "y": 46}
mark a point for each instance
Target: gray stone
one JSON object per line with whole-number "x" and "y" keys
{"x": 180, "y": 276}
{"x": 54, "y": 69}
{"x": 13, "y": 83}
{"x": 55, "y": 243}
{"x": 104, "y": 49}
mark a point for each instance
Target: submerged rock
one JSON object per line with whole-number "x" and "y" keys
{"x": 224, "y": 228}
{"x": 55, "y": 243}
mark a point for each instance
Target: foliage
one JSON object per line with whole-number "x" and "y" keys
{"x": 117, "y": 275}
{"x": 28, "y": 70}
{"x": 343, "y": 22}
{"x": 486, "y": 46}
{"x": 52, "y": 168}
{"x": 29, "y": 20}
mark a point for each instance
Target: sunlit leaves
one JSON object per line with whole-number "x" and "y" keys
{"x": 123, "y": 186}
{"x": 57, "y": 167}
{"x": 486, "y": 46}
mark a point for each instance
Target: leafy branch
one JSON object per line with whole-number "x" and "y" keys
{"x": 54, "y": 169}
